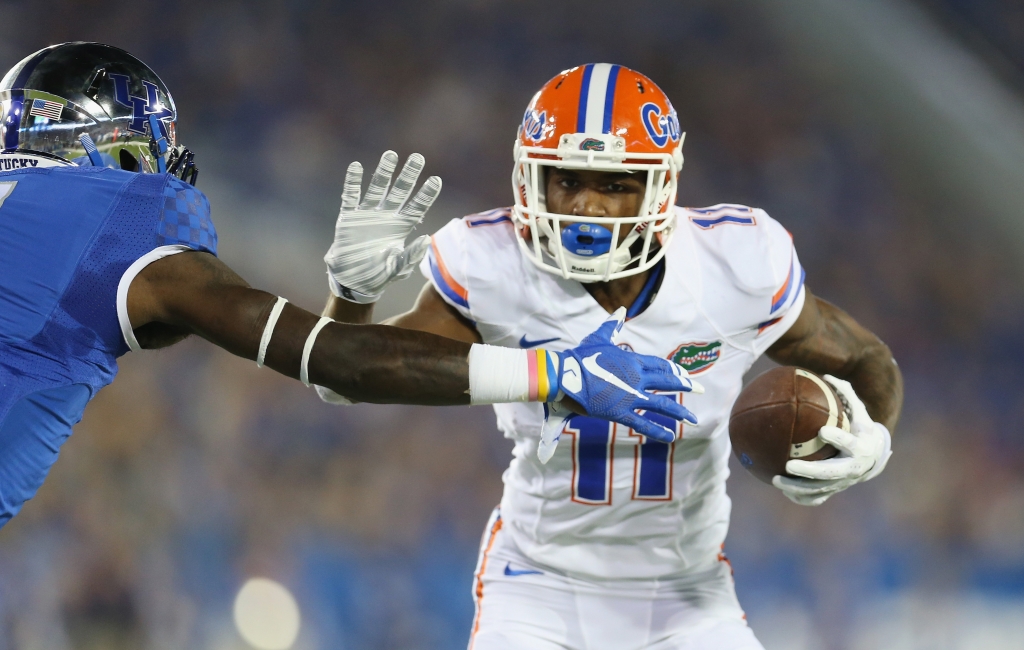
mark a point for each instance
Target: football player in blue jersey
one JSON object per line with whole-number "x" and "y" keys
{"x": 106, "y": 246}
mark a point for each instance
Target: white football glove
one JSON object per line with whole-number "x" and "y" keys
{"x": 369, "y": 250}
{"x": 555, "y": 419}
{"x": 862, "y": 456}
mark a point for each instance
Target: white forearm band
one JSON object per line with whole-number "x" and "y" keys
{"x": 308, "y": 347}
{"x": 268, "y": 330}
{"x": 499, "y": 375}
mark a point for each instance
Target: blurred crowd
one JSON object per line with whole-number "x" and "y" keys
{"x": 195, "y": 470}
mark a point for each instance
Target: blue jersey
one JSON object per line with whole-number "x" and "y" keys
{"x": 70, "y": 237}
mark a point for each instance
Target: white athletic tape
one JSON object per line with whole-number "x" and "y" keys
{"x": 498, "y": 374}
{"x": 268, "y": 330}
{"x": 308, "y": 347}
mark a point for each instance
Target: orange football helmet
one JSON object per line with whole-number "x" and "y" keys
{"x": 600, "y": 117}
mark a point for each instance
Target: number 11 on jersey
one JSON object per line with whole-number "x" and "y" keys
{"x": 593, "y": 461}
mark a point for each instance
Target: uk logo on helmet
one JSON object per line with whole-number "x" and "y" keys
{"x": 533, "y": 124}
{"x": 660, "y": 127}
{"x": 142, "y": 107}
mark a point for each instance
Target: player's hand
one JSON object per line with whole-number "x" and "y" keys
{"x": 863, "y": 454}
{"x": 613, "y": 384}
{"x": 369, "y": 250}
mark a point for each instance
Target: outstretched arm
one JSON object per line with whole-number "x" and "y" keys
{"x": 197, "y": 293}
{"x": 826, "y": 340}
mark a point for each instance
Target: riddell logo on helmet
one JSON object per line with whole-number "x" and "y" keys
{"x": 592, "y": 144}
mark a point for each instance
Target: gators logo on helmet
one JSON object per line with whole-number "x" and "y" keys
{"x": 533, "y": 125}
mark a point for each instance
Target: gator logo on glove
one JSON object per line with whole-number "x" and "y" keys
{"x": 697, "y": 357}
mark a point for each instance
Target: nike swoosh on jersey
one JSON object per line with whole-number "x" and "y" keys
{"x": 509, "y": 571}
{"x": 590, "y": 364}
{"x": 523, "y": 343}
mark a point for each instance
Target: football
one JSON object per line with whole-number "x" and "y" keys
{"x": 777, "y": 416}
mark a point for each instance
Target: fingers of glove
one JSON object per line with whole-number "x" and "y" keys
{"x": 856, "y": 406}
{"x": 410, "y": 260}
{"x": 849, "y": 443}
{"x": 803, "y": 487}
{"x": 353, "y": 184}
{"x": 809, "y": 501}
{"x": 831, "y": 469}
{"x": 393, "y": 260}
{"x": 879, "y": 465}
{"x": 884, "y": 451}
{"x": 555, "y": 420}
{"x": 380, "y": 181}
{"x": 669, "y": 407}
{"x": 666, "y": 375}
{"x": 647, "y": 427}
{"x": 417, "y": 208}
{"x": 416, "y": 251}
{"x": 404, "y": 183}
{"x": 803, "y": 499}
{"x": 608, "y": 329}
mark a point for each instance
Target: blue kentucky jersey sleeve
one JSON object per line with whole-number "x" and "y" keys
{"x": 67, "y": 237}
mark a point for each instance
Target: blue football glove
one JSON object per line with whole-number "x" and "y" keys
{"x": 613, "y": 384}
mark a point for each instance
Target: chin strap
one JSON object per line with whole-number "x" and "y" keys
{"x": 158, "y": 143}
{"x": 91, "y": 150}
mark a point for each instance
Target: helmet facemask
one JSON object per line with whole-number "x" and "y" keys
{"x": 605, "y": 118}
{"x": 542, "y": 234}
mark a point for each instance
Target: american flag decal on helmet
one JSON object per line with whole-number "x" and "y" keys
{"x": 46, "y": 108}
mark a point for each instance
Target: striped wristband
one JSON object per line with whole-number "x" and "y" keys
{"x": 543, "y": 373}
{"x": 498, "y": 375}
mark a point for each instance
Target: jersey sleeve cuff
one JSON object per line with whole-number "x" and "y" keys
{"x": 771, "y": 331}
{"x": 125, "y": 283}
{"x": 451, "y": 290}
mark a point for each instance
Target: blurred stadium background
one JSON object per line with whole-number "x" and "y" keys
{"x": 887, "y": 136}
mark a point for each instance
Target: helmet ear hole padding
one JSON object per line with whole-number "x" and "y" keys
{"x": 127, "y": 161}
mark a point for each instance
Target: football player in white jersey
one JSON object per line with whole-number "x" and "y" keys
{"x": 611, "y": 540}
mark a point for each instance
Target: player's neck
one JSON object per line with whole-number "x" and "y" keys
{"x": 618, "y": 293}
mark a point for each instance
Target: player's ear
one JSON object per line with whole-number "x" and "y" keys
{"x": 128, "y": 161}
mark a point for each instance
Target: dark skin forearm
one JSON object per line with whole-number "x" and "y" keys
{"x": 196, "y": 293}
{"x": 826, "y": 340}
{"x": 344, "y": 311}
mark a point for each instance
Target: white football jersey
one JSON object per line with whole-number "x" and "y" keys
{"x": 611, "y": 504}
